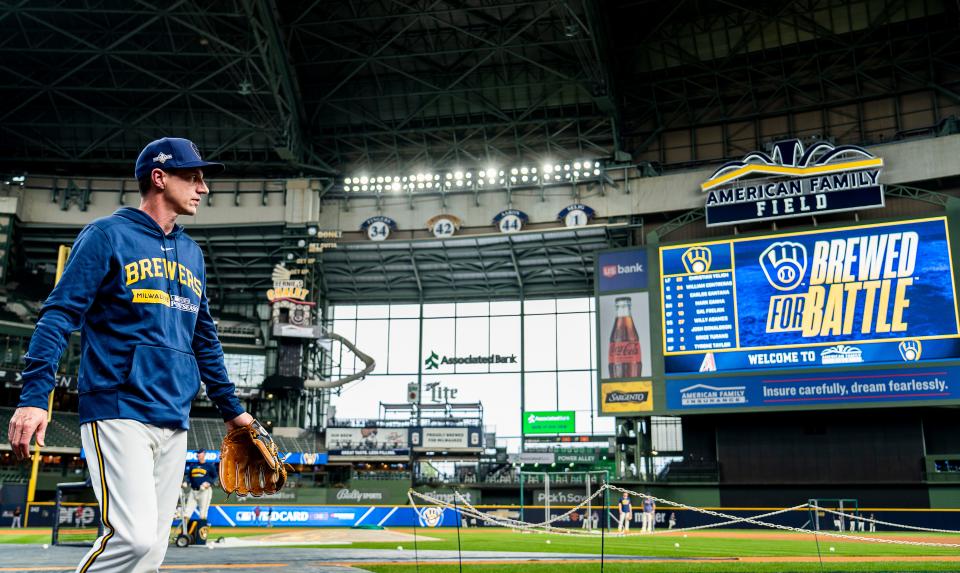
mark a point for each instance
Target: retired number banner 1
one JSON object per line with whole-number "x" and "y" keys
{"x": 868, "y": 294}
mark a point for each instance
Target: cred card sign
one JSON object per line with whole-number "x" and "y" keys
{"x": 622, "y": 270}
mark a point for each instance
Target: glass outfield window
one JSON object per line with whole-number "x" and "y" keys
{"x": 245, "y": 370}
{"x": 512, "y": 356}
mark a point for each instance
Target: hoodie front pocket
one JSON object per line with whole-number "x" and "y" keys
{"x": 163, "y": 377}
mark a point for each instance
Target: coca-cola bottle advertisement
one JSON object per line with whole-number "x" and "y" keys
{"x": 624, "y": 336}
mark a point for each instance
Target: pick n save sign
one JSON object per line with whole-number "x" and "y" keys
{"x": 563, "y": 422}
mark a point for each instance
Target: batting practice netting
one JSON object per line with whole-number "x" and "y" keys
{"x": 75, "y": 523}
{"x": 795, "y": 519}
{"x": 541, "y": 493}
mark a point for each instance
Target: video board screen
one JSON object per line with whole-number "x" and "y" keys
{"x": 881, "y": 293}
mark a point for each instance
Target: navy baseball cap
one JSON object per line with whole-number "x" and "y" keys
{"x": 173, "y": 153}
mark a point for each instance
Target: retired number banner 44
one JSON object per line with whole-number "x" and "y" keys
{"x": 867, "y": 294}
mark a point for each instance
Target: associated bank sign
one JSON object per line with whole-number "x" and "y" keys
{"x": 434, "y": 361}
{"x": 792, "y": 181}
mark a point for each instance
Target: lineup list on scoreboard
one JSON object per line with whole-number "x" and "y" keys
{"x": 699, "y": 312}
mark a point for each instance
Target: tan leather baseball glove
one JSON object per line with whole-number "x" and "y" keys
{"x": 250, "y": 463}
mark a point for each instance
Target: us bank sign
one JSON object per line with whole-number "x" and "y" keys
{"x": 792, "y": 182}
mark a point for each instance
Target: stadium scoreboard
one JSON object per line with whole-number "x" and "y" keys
{"x": 879, "y": 293}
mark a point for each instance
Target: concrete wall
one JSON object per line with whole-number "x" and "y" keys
{"x": 297, "y": 201}
{"x": 225, "y": 206}
{"x": 905, "y": 162}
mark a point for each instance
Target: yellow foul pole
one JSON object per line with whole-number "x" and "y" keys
{"x": 62, "y": 255}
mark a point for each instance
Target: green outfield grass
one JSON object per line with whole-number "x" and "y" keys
{"x": 891, "y": 567}
{"x": 664, "y": 546}
{"x": 760, "y": 544}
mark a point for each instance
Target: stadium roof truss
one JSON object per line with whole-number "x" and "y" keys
{"x": 278, "y": 88}
{"x": 730, "y": 76}
{"x": 321, "y": 87}
{"x": 529, "y": 264}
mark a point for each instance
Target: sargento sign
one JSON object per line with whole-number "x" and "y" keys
{"x": 866, "y": 294}
{"x": 792, "y": 181}
{"x": 626, "y": 397}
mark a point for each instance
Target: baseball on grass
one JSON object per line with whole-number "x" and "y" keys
{"x": 832, "y": 549}
{"x": 548, "y": 542}
{"x": 399, "y": 547}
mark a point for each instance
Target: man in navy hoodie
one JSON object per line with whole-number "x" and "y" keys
{"x": 135, "y": 286}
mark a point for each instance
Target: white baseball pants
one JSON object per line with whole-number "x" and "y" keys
{"x": 198, "y": 498}
{"x": 136, "y": 470}
{"x": 648, "y": 521}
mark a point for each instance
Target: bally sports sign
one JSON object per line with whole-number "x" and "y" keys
{"x": 792, "y": 181}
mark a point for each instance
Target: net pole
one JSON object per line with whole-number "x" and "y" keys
{"x": 416, "y": 522}
{"x": 521, "y": 496}
{"x": 602, "y": 541}
{"x": 546, "y": 496}
{"x": 456, "y": 516}
{"x": 589, "y": 503}
{"x": 55, "y": 531}
{"x": 606, "y": 499}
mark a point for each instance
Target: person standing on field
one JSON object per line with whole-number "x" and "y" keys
{"x": 201, "y": 478}
{"x": 649, "y": 514}
{"x": 626, "y": 514}
{"x": 135, "y": 285}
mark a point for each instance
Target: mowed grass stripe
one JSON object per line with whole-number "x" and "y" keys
{"x": 499, "y": 540}
{"x": 760, "y": 543}
{"x": 662, "y": 567}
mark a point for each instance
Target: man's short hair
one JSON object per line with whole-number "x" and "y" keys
{"x": 144, "y": 184}
{"x": 201, "y": 451}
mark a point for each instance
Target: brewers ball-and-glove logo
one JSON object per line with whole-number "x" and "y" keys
{"x": 784, "y": 264}
{"x": 250, "y": 463}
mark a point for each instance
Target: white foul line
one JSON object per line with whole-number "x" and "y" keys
{"x": 225, "y": 516}
{"x": 388, "y": 516}
{"x": 362, "y": 517}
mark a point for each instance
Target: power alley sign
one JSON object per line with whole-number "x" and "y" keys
{"x": 793, "y": 182}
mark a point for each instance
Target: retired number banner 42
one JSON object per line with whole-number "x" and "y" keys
{"x": 868, "y": 294}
